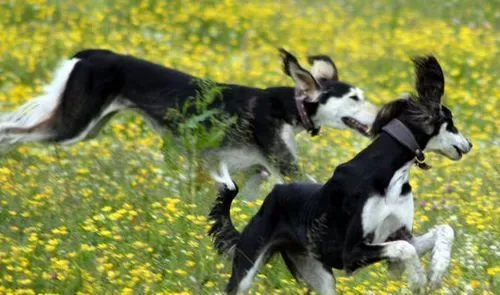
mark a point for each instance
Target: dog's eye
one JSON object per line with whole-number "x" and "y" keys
{"x": 354, "y": 97}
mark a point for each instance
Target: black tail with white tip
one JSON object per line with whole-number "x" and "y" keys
{"x": 223, "y": 232}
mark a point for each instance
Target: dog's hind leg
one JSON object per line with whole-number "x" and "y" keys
{"x": 253, "y": 249}
{"x": 440, "y": 240}
{"x": 247, "y": 260}
{"x": 308, "y": 269}
{"x": 289, "y": 262}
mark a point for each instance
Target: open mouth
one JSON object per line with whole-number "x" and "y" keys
{"x": 459, "y": 152}
{"x": 356, "y": 125}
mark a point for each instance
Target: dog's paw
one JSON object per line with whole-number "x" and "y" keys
{"x": 418, "y": 282}
{"x": 396, "y": 268}
{"x": 435, "y": 279}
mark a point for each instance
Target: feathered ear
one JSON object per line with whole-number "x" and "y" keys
{"x": 303, "y": 79}
{"x": 430, "y": 81}
{"x": 323, "y": 68}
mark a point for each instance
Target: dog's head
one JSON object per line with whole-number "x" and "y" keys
{"x": 423, "y": 113}
{"x": 327, "y": 100}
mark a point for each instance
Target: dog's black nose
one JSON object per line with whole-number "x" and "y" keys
{"x": 470, "y": 144}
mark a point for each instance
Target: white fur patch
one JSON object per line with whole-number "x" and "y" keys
{"x": 240, "y": 158}
{"x": 252, "y": 185}
{"x": 441, "y": 254}
{"x": 36, "y": 110}
{"x": 383, "y": 215}
{"x": 314, "y": 274}
{"x": 224, "y": 176}
{"x": 445, "y": 141}
{"x": 245, "y": 284}
{"x": 244, "y": 157}
{"x": 322, "y": 69}
{"x": 404, "y": 251}
{"x": 288, "y": 136}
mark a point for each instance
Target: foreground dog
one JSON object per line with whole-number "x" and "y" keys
{"x": 363, "y": 214}
{"x": 95, "y": 84}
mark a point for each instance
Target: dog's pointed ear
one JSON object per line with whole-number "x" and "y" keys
{"x": 303, "y": 79}
{"x": 430, "y": 81}
{"x": 323, "y": 68}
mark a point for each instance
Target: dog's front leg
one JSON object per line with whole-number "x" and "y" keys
{"x": 364, "y": 254}
{"x": 440, "y": 240}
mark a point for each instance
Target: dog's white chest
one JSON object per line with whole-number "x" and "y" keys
{"x": 383, "y": 215}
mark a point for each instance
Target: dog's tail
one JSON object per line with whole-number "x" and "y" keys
{"x": 223, "y": 233}
{"x": 40, "y": 108}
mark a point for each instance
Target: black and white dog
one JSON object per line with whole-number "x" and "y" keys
{"x": 95, "y": 84}
{"x": 363, "y": 214}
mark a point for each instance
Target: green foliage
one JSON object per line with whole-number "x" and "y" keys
{"x": 198, "y": 126}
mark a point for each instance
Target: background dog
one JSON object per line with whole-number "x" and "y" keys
{"x": 96, "y": 84}
{"x": 362, "y": 215}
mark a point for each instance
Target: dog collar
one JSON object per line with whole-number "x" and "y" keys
{"x": 304, "y": 117}
{"x": 403, "y": 135}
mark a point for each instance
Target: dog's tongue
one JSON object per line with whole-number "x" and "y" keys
{"x": 356, "y": 125}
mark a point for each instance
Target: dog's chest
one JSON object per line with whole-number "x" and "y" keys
{"x": 383, "y": 215}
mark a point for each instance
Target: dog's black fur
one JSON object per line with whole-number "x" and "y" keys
{"x": 319, "y": 227}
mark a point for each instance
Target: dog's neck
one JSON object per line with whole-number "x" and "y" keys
{"x": 289, "y": 111}
{"x": 404, "y": 135}
{"x": 371, "y": 170}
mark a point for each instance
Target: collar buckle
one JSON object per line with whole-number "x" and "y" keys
{"x": 403, "y": 135}
{"x": 420, "y": 160}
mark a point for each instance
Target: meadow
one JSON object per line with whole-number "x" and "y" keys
{"x": 113, "y": 216}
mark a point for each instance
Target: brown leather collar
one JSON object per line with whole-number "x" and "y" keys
{"x": 300, "y": 97}
{"x": 403, "y": 135}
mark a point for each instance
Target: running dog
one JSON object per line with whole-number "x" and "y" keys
{"x": 95, "y": 84}
{"x": 364, "y": 212}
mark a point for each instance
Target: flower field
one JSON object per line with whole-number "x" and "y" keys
{"x": 111, "y": 216}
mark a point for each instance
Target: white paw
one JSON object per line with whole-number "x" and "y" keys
{"x": 418, "y": 281}
{"x": 435, "y": 279}
{"x": 396, "y": 268}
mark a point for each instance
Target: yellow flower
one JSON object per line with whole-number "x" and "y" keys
{"x": 180, "y": 272}
{"x": 493, "y": 271}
